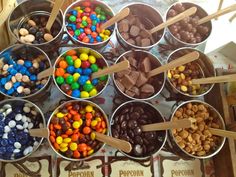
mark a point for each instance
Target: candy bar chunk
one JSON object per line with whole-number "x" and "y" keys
{"x": 120, "y": 86}
{"x": 142, "y": 79}
{"x": 131, "y": 41}
{"x": 134, "y": 76}
{"x": 131, "y": 19}
{"x": 138, "y": 40}
{"x": 125, "y": 36}
{"x": 147, "y": 89}
{"x": 130, "y": 93}
{"x": 136, "y": 91}
{"x": 134, "y": 30}
{"x": 133, "y": 62}
{"x": 145, "y": 42}
{"x": 123, "y": 26}
{"x": 144, "y": 34}
{"x": 124, "y": 72}
{"x": 145, "y": 65}
{"x": 127, "y": 82}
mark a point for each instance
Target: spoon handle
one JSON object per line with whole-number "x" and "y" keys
{"x": 46, "y": 73}
{"x": 223, "y": 133}
{"x": 39, "y": 132}
{"x": 217, "y": 79}
{"x": 114, "y": 142}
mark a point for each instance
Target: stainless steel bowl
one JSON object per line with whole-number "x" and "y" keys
{"x": 205, "y": 65}
{"x": 84, "y": 102}
{"x": 20, "y": 102}
{"x": 102, "y": 4}
{"x": 181, "y": 152}
{"x": 25, "y": 10}
{"x": 160, "y": 118}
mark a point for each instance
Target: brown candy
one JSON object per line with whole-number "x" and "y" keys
{"x": 134, "y": 31}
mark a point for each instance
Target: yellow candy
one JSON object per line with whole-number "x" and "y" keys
{"x": 60, "y": 115}
{"x": 76, "y": 124}
{"x": 105, "y": 37}
{"x": 92, "y": 136}
{"x": 84, "y": 50}
{"x": 102, "y": 35}
{"x": 77, "y": 63}
{"x": 84, "y": 18}
{"x": 83, "y": 56}
{"x": 88, "y": 108}
{"x": 92, "y": 59}
{"x": 80, "y": 121}
{"x": 76, "y": 76}
{"x": 107, "y": 32}
{"x": 98, "y": 119}
{"x": 77, "y": 8}
{"x": 104, "y": 130}
{"x": 67, "y": 140}
{"x": 88, "y": 82}
{"x": 64, "y": 149}
{"x": 82, "y": 26}
{"x": 59, "y": 140}
{"x": 93, "y": 92}
{"x": 84, "y": 94}
{"x": 73, "y": 146}
{"x": 81, "y": 11}
{"x": 63, "y": 145}
{"x": 90, "y": 152}
{"x": 94, "y": 123}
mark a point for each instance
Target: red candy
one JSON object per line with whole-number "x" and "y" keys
{"x": 87, "y": 31}
{"x": 85, "y": 64}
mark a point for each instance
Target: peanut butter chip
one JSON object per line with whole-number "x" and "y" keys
{"x": 48, "y": 37}
{"x": 20, "y": 89}
{"x": 31, "y": 23}
{"x": 25, "y": 78}
{"x": 23, "y": 31}
{"x": 29, "y": 38}
{"x": 8, "y": 85}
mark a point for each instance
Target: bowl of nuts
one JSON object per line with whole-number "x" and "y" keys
{"x": 197, "y": 141}
{"x": 187, "y": 32}
{"x": 179, "y": 79}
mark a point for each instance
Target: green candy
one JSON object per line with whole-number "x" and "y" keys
{"x": 98, "y": 10}
{"x": 74, "y": 86}
{"x": 69, "y": 60}
{"x": 60, "y": 80}
{"x": 88, "y": 87}
{"x": 103, "y": 78}
{"x": 77, "y": 32}
{"x": 94, "y": 67}
{"x": 102, "y": 17}
{"x": 72, "y": 18}
{"x": 69, "y": 79}
{"x": 94, "y": 22}
{"x": 84, "y": 23}
{"x": 103, "y": 13}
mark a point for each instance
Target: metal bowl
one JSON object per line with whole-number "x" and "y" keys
{"x": 98, "y": 55}
{"x": 175, "y": 146}
{"x": 84, "y": 102}
{"x": 20, "y": 102}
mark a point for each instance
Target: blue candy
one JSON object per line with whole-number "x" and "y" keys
{"x": 10, "y": 149}
{"x": 78, "y": 70}
{"x": 74, "y": 12}
{"x": 16, "y": 84}
{"x": 93, "y": 16}
{"x": 87, "y": 71}
{"x": 33, "y": 77}
{"x": 70, "y": 69}
{"x": 28, "y": 64}
{"x": 82, "y": 80}
{"x": 93, "y": 28}
{"x": 76, "y": 93}
{"x": 95, "y": 82}
{"x": 2, "y": 150}
{"x": 81, "y": 30}
{"x": 11, "y": 91}
{"x": 3, "y": 81}
{"x": 99, "y": 39}
{"x": 4, "y": 142}
{"x": 91, "y": 40}
{"x": 23, "y": 70}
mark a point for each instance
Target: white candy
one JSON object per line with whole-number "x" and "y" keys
{"x": 19, "y": 127}
{"x": 12, "y": 124}
{"x": 36, "y": 143}
{"x": 1, "y": 110}
{"x": 16, "y": 151}
{"x": 28, "y": 150}
{"x": 17, "y": 145}
{"x": 25, "y": 125}
{"x": 18, "y": 117}
{"x": 28, "y": 119}
{"x": 28, "y": 105}
{"x": 5, "y": 136}
{"x": 30, "y": 125}
{"x": 26, "y": 109}
{"x": 8, "y": 111}
{"x": 24, "y": 118}
{"x": 26, "y": 130}
{"x": 6, "y": 106}
{"x": 7, "y": 129}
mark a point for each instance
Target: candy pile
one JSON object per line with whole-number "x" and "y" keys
{"x": 83, "y": 23}
{"x": 33, "y": 31}
{"x": 73, "y": 72}
{"x": 71, "y": 129}
{"x": 18, "y": 76}
{"x": 15, "y": 122}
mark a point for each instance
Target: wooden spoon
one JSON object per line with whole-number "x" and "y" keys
{"x": 112, "y": 69}
{"x": 223, "y": 133}
{"x": 217, "y": 14}
{"x": 46, "y": 73}
{"x": 114, "y": 142}
{"x": 173, "y": 20}
{"x": 175, "y": 63}
{"x": 184, "y": 123}
{"x": 122, "y": 14}
{"x": 217, "y": 79}
{"x": 55, "y": 10}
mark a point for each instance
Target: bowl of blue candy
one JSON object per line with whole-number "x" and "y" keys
{"x": 20, "y": 65}
{"x": 17, "y": 117}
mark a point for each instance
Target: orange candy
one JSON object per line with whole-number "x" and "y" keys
{"x": 86, "y": 130}
{"x": 88, "y": 122}
{"x": 66, "y": 75}
{"x": 82, "y": 147}
{"x": 76, "y": 117}
{"x": 86, "y": 39}
{"x": 103, "y": 124}
{"x": 52, "y": 139}
{"x": 85, "y": 153}
{"x": 63, "y": 64}
{"x": 71, "y": 52}
{"x": 69, "y": 132}
{"x": 76, "y": 154}
{"x": 56, "y": 146}
{"x": 88, "y": 115}
{"x": 57, "y": 126}
{"x": 64, "y": 136}
{"x": 75, "y": 137}
{"x": 60, "y": 72}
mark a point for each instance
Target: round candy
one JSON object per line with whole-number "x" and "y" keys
{"x": 60, "y": 80}
{"x": 74, "y": 86}
{"x": 92, "y": 59}
{"x": 94, "y": 67}
{"x": 69, "y": 79}
{"x": 72, "y": 18}
{"x": 83, "y": 56}
{"x": 77, "y": 63}
{"x": 88, "y": 87}
{"x": 84, "y": 94}
{"x": 93, "y": 92}
{"x": 76, "y": 93}
{"x": 69, "y": 60}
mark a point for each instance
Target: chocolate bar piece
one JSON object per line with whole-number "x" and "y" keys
{"x": 124, "y": 26}
{"x": 142, "y": 79}
{"x": 127, "y": 82}
{"x": 145, "y": 42}
{"x": 145, "y": 65}
{"x": 134, "y": 30}
{"x": 125, "y": 36}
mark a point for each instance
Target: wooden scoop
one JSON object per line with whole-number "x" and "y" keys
{"x": 55, "y": 10}
{"x": 223, "y": 133}
{"x": 173, "y": 20}
{"x": 217, "y": 14}
{"x": 175, "y": 63}
{"x": 184, "y": 123}
{"x": 122, "y": 14}
{"x": 217, "y": 79}
{"x": 46, "y": 73}
{"x": 112, "y": 69}
{"x": 114, "y": 142}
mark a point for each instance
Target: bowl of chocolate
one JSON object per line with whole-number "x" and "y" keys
{"x": 20, "y": 65}
{"x": 197, "y": 141}
{"x": 126, "y": 123}
{"x": 130, "y": 31}
{"x": 27, "y": 24}
{"x": 187, "y": 32}
{"x": 133, "y": 82}
{"x": 179, "y": 78}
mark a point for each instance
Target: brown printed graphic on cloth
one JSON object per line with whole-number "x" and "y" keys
{"x": 31, "y": 167}
{"x": 86, "y": 168}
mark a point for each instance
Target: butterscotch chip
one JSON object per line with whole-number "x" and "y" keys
{"x": 31, "y": 23}
{"x": 47, "y": 37}
{"x": 8, "y": 85}
{"x": 29, "y": 38}
{"x": 23, "y": 31}
{"x": 25, "y": 78}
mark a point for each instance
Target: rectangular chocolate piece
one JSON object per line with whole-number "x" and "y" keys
{"x": 127, "y": 82}
{"x": 142, "y": 79}
{"x": 122, "y": 73}
{"x": 145, "y": 65}
{"x": 145, "y": 42}
{"x": 134, "y": 30}
{"x": 133, "y": 62}
{"x": 123, "y": 26}
{"x": 131, "y": 19}
{"x": 125, "y": 36}
{"x": 134, "y": 76}
{"x": 121, "y": 87}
